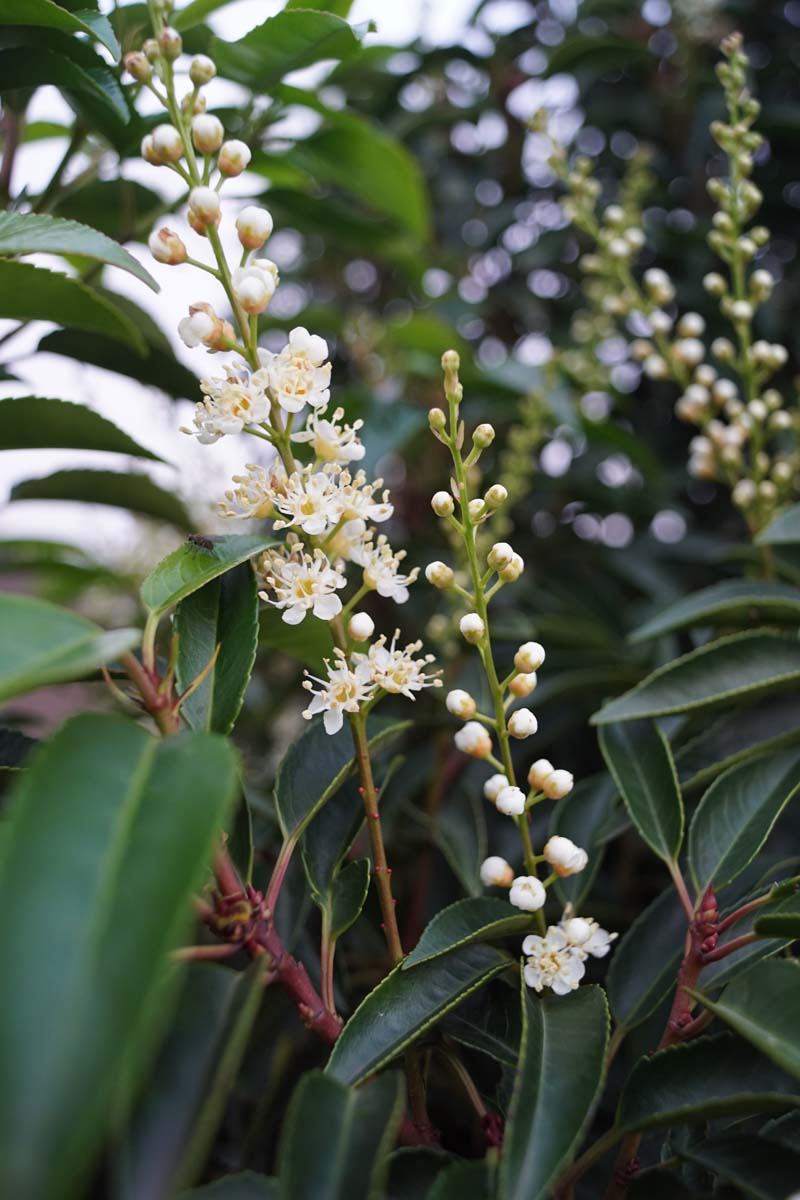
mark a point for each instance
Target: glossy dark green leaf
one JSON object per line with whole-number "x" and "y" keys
{"x": 37, "y": 233}
{"x": 476, "y": 919}
{"x": 462, "y": 1179}
{"x": 194, "y": 564}
{"x": 639, "y": 758}
{"x": 29, "y": 293}
{"x": 413, "y": 1171}
{"x": 121, "y": 826}
{"x": 90, "y": 78}
{"x": 246, "y": 1185}
{"x": 743, "y": 664}
{"x": 406, "y": 1004}
{"x": 282, "y": 44}
{"x": 779, "y": 925}
{"x": 330, "y": 835}
{"x": 705, "y": 1078}
{"x": 644, "y": 964}
{"x": 158, "y": 367}
{"x": 53, "y": 16}
{"x": 762, "y": 1006}
{"x": 34, "y": 423}
{"x": 584, "y": 816}
{"x": 489, "y": 1021}
{"x": 561, "y": 1070}
{"x": 335, "y": 1138}
{"x": 41, "y": 643}
{"x": 180, "y": 1109}
{"x": 137, "y": 493}
{"x": 460, "y": 834}
{"x": 316, "y": 765}
{"x": 310, "y": 642}
{"x": 759, "y": 1168}
{"x": 223, "y": 613}
{"x": 118, "y": 208}
{"x": 718, "y": 973}
{"x": 348, "y": 896}
{"x": 736, "y": 814}
{"x": 735, "y": 735}
{"x": 784, "y": 530}
{"x": 727, "y": 603}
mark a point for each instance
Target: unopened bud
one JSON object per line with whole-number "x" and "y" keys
{"x": 166, "y": 247}
{"x": 539, "y": 773}
{"x": 472, "y": 628}
{"x": 483, "y": 436}
{"x": 476, "y": 508}
{"x": 254, "y": 225}
{"x": 439, "y": 574}
{"x": 494, "y": 786}
{"x": 204, "y": 206}
{"x": 529, "y": 657}
{"x": 138, "y": 66}
{"x": 558, "y": 784}
{"x": 511, "y": 802}
{"x": 361, "y": 627}
{"x": 522, "y": 724}
{"x": 496, "y": 872}
{"x": 437, "y": 420}
{"x": 442, "y": 504}
{"x": 511, "y": 572}
{"x": 202, "y": 70}
{"x": 461, "y": 704}
{"x": 523, "y": 685}
{"x": 170, "y": 43}
{"x": 207, "y": 133}
{"x": 495, "y": 496}
{"x": 474, "y": 740}
{"x": 500, "y": 555}
{"x": 234, "y": 157}
{"x": 167, "y": 143}
{"x": 151, "y": 51}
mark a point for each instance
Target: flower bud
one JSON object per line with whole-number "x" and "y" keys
{"x": 691, "y": 325}
{"x": 203, "y": 325}
{"x": 690, "y": 351}
{"x": 474, "y": 740}
{"x": 496, "y": 872}
{"x": 472, "y": 628}
{"x": 170, "y": 43}
{"x": 442, "y": 504}
{"x": 204, "y": 206}
{"x": 529, "y": 657}
{"x": 522, "y": 724}
{"x": 460, "y": 704}
{"x": 234, "y": 157}
{"x": 511, "y": 572}
{"x": 439, "y": 574}
{"x": 528, "y": 893}
{"x": 494, "y": 786}
{"x": 511, "y": 802}
{"x": 539, "y": 773}
{"x": 715, "y": 284}
{"x": 450, "y": 360}
{"x": 166, "y": 247}
{"x": 564, "y": 856}
{"x": 149, "y": 152}
{"x": 476, "y": 508}
{"x": 558, "y": 785}
{"x": 138, "y": 66}
{"x": 437, "y": 420}
{"x": 500, "y": 555}
{"x": 483, "y": 436}
{"x": 202, "y": 70}
{"x": 254, "y": 226}
{"x": 523, "y": 685}
{"x": 495, "y": 496}
{"x": 193, "y": 104}
{"x": 167, "y": 143}
{"x": 253, "y": 288}
{"x": 207, "y": 133}
{"x": 151, "y": 51}
{"x": 741, "y": 310}
{"x": 361, "y": 627}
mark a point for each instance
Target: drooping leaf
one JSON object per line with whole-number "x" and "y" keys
{"x": 762, "y": 1006}
{"x": 757, "y": 1167}
{"x": 29, "y": 293}
{"x": 743, "y": 664}
{"x": 41, "y": 644}
{"x": 136, "y": 493}
{"x": 194, "y": 564}
{"x": 645, "y": 963}
{"x": 310, "y": 643}
{"x": 784, "y": 530}
{"x": 34, "y": 423}
{"x": 284, "y": 43}
{"x": 726, "y": 603}
{"x": 736, "y": 814}
{"x": 121, "y": 825}
{"x": 223, "y": 613}
{"x": 157, "y": 368}
{"x": 404, "y": 1005}
{"x": 476, "y": 919}
{"x": 37, "y": 233}
{"x": 348, "y": 896}
{"x": 561, "y": 1069}
{"x": 335, "y": 1138}
{"x": 639, "y": 758}
{"x": 53, "y": 16}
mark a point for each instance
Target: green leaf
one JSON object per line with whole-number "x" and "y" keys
{"x": 584, "y": 816}
{"x": 645, "y": 963}
{"x": 224, "y": 613}
{"x": 282, "y": 44}
{"x": 194, "y": 564}
{"x": 638, "y": 756}
{"x": 32, "y": 66}
{"x": 180, "y": 1110}
{"x": 462, "y": 1179}
{"x": 348, "y": 896}
{"x": 735, "y": 600}
{"x": 460, "y": 834}
{"x": 36, "y": 233}
{"x": 702, "y": 1079}
{"x": 137, "y": 493}
{"x": 316, "y": 765}
{"x": 330, "y": 835}
{"x": 762, "y": 1006}
{"x": 779, "y": 925}
{"x": 413, "y": 1170}
{"x": 743, "y": 664}
{"x": 14, "y": 748}
{"x": 561, "y": 1069}
{"x": 759, "y": 1168}
{"x": 491, "y": 1022}
{"x": 42, "y": 644}
{"x": 121, "y": 826}
{"x": 52, "y": 16}
{"x": 246, "y": 1185}
{"x": 770, "y": 724}
{"x": 195, "y": 13}
{"x": 336, "y": 1138}
{"x": 29, "y": 293}
{"x": 340, "y": 7}
{"x": 119, "y": 208}
{"x": 404, "y": 1005}
{"x": 735, "y": 816}
{"x": 784, "y": 530}
{"x": 476, "y": 919}
{"x": 310, "y": 642}
{"x": 34, "y": 423}
{"x": 157, "y": 367}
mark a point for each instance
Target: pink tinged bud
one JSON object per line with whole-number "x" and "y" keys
{"x": 254, "y": 226}
{"x": 167, "y": 144}
{"x": 201, "y": 70}
{"x": 170, "y": 43}
{"x": 564, "y": 856}
{"x": 461, "y": 704}
{"x": 149, "y": 152}
{"x": 474, "y": 740}
{"x": 539, "y": 773}
{"x": 166, "y": 247}
{"x": 522, "y": 685}
{"x": 204, "y": 206}
{"x": 234, "y": 157}
{"x": 138, "y": 66}
{"x": 254, "y": 292}
{"x": 529, "y": 657}
{"x": 496, "y": 872}
{"x": 207, "y": 133}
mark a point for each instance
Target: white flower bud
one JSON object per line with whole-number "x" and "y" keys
{"x": 558, "y": 785}
{"x": 511, "y": 572}
{"x": 476, "y": 508}
{"x": 619, "y": 248}
{"x": 150, "y": 50}
{"x": 659, "y": 321}
{"x": 138, "y": 66}
{"x": 483, "y": 436}
{"x": 655, "y": 367}
{"x": 523, "y": 685}
{"x": 460, "y": 704}
{"x": 196, "y": 328}
{"x": 744, "y": 493}
{"x": 741, "y": 310}
{"x": 527, "y": 892}
{"x": 361, "y": 627}
{"x": 762, "y": 282}
{"x": 496, "y": 872}
{"x": 522, "y": 724}
{"x": 634, "y": 237}
{"x": 474, "y": 740}
{"x": 529, "y": 657}
{"x": 439, "y": 574}
{"x": 715, "y": 284}
{"x": 500, "y": 555}
{"x": 253, "y": 289}
{"x": 207, "y": 133}
{"x": 510, "y": 801}
{"x": 442, "y": 504}
{"x": 204, "y": 206}
{"x": 472, "y": 628}
{"x": 166, "y": 247}
{"x": 690, "y": 350}
{"x": 254, "y": 226}
{"x": 659, "y": 285}
{"x": 564, "y": 856}
{"x": 170, "y": 43}
{"x": 495, "y": 496}
{"x": 691, "y": 325}
{"x": 494, "y": 786}
{"x": 167, "y": 143}
{"x": 202, "y": 70}
{"x": 539, "y": 773}
{"x": 234, "y": 157}
{"x": 723, "y": 349}
{"x": 149, "y": 152}
{"x": 437, "y": 420}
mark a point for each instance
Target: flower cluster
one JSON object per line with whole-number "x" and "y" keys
{"x": 557, "y": 960}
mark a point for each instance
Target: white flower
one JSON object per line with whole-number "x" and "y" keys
{"x": 233, "y": 157}
{"x": 522, "y": 723}
{"x": 551, "y": 962}
{"x": 345, "y": 690}
{"x": 331, "y": 441}
{"x": 511, "y": 801}
{"x": 299, "y": 375}
{"x": 585, "y": 936}
{"x": 254, "y": 286}
{"x": 360, "y": 627}
{"x": 311, "y": 500}
{"x": 494, "y": 786}
{"x": 254, "y": 493}
{"x": 381, "y": 570}
{"x": 196, "y": 328}
{"x": 302, "y": 583}
{"x": 472, "y": 627}
{"x": 460, "y": 704}
{"x": 357, "y": 499}
{"x": 254, "y": 225}
{"x": 564, "y": 856}
{"x": 496, "y": 872}
{"x": 397, "y": 671}
{"x": 474, "y": 740}
{"x": 529, "y": 657}
{"x": 527, "y": 892}
{"x": 558, "y": 785}
{"x": 232, "y": 402}
{"x": 348, "y": 541}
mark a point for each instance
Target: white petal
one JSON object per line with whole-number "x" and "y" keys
{"x": 333, "y": 720}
